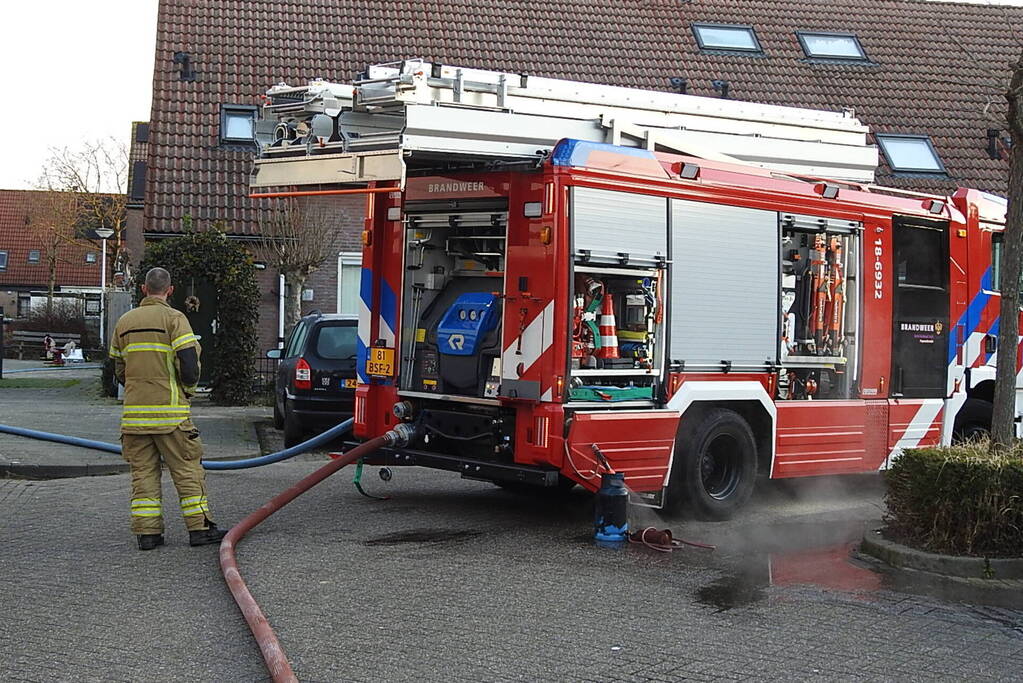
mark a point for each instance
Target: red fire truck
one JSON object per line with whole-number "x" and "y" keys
{"x": 691, "y": 322}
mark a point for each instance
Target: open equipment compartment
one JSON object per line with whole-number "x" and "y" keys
{"x": 452, "y": 297}
{"x": 820, "y": 307}
{"x": 618, "y": 294}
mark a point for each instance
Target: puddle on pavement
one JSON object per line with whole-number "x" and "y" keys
{"x": 423, "y": 536}
{"x": 731, "y": 590}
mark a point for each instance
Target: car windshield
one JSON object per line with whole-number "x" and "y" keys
{"x": 336, "y": 342}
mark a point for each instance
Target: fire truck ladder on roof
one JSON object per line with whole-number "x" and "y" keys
{"x": 417, "y": 116}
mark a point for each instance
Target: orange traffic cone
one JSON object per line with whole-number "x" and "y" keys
{"x": 608, "y": 333}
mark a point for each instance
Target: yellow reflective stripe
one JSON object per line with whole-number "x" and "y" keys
{"x": 145, "y": 507}
{"x": 172, "y": 379}
{"x": 194, "y": 505}
{"x": 156, "y": 409}
{"x": 184, "y": 339}
{"x": 147, "y": 346}
{"x": 114, "y": 352}
{"x": 151, "y": 421}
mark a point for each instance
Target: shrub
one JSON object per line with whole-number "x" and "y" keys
{"x": 958, "y": 500}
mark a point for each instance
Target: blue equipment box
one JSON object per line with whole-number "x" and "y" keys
{"x": 465, "y": 324}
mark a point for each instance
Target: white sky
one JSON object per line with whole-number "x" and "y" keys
{"x": 80, "y": 69}
{"x": 71, "y": 70}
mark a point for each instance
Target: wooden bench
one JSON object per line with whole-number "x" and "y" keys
{"x": 33, "y": 341}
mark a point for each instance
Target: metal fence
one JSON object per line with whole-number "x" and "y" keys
{"x": 265, "y": 377}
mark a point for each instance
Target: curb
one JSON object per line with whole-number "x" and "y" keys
{"x": 22, "y": 470}
{"x": 903, "y": 557}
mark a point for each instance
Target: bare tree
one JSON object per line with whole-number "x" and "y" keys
{"x": 296, "y": 238}
{"x": 97, "y": 171}
{"x": 1003, "y": 426}
{"x": 52, "y": 219}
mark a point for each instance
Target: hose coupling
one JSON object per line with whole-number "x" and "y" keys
{"x": 401, "y": 435}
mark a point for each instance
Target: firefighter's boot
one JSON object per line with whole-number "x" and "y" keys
{"x": 206, "y": 536}
{"x": 150, "y": 541}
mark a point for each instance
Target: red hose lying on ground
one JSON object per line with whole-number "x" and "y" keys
{"x": 273, "y": 654}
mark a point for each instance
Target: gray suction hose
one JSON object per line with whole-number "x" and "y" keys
{"x": 318, "y": 440}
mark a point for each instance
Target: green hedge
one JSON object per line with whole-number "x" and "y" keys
{"x": 210, "y": 255}
{"x": 958, "y": 501}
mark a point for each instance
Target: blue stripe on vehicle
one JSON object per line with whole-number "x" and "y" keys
{"x": 361, "y": 354}
{"x": 388, "y": 305}
{"x": 971, "y": 316}
{"x": 577, "y": 152}
{"x": 365, "y": 323}
{"x": 994, "y": 333}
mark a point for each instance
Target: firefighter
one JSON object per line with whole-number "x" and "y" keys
{"x": 156, "y": 358}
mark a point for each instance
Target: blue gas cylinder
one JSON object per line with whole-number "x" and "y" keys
{"x": 611, "y": 513}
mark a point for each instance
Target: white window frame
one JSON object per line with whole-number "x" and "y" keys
{"x": 350, "y": 259}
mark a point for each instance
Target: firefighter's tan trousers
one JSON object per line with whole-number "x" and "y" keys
{"x": 181, "y": 450}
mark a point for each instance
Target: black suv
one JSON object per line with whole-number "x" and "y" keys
{"x": 316, "y": 377}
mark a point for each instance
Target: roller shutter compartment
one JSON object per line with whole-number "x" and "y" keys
{"x": 724, "y": 285}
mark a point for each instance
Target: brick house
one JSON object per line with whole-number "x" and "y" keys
{"x": 926, "y": 77}
{"x": 24, "y": 273}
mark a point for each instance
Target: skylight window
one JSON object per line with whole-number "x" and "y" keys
{"x": 236, "y": 123}
{"x": 831, "y": 46}
{"x": 910, "y": 153}
{"x": 730, "y": 37}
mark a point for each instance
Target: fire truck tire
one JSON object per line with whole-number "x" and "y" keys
{"x": 973, "y": 421}
{"x": 715, "y": 466}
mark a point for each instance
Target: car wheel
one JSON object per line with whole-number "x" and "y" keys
{"x": 278, "y": 417}
{"x": 715, "y": 466}
{"x": 973, "y": 421}
{"x": 293, "y": 432}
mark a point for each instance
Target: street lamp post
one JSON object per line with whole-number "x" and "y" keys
{"x": 104, "y": 234}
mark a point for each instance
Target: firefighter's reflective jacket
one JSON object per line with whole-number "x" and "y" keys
{"x": 156, "y": 357}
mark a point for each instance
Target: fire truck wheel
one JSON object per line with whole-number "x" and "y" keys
{"x": 716, "y": 467}
{"x": 973, "y": 421}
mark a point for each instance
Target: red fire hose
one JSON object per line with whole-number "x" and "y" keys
{"x": 273, "y": 654}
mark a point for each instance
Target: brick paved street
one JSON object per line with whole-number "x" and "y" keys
{"x": 458, "y": 580}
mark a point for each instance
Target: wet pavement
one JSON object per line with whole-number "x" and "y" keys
{"x": 458, "y": 580}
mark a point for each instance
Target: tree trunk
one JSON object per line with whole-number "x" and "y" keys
{"x": 1003, "y": 429}
{"x": 295, "y": 283}
{"x": 51, "y": 286}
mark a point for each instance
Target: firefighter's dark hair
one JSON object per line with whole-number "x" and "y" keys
{"x": 158, "y": 281}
